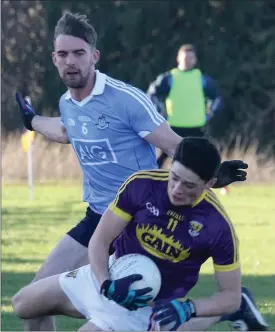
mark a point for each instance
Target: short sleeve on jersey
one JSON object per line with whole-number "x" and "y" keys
{"x": 225, "y": 244}
{"x": 128, "y": 197}
{"x": 134, "y": 192}
{"x": 225, "y": 251}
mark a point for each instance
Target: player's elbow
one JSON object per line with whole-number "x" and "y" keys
{"x": 63, "y": 139}
{"x": 19, "y": 305}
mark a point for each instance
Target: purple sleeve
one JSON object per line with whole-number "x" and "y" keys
{"x": 225, "y": 247}
{"x": 128, "y": 198}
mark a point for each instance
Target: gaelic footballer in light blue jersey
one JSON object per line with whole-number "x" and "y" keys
{"x": 107, "y": 130}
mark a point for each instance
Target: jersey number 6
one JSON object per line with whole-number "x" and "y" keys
{"x": 84, "y": 129}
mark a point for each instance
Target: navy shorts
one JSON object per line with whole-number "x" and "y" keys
{"x": 84, "y": 230}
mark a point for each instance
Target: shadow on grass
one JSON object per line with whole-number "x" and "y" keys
{"x": 31, "y": 210}
{"x": 31, "y": 239}
{"x": 20, "y": 217}
{"x": 21, "y": 260}
{"x": 262, "y": 287}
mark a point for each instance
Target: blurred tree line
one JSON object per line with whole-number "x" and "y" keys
{"x": 138, "y": 40}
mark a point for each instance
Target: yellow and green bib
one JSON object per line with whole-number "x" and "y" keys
{"x": 185, "y": 103}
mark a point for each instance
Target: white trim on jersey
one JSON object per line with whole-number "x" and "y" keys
{"x": 140, "y": 96}
{"x": 97, "y": 90}
{"x": 144, "y": 133}
{"x": 138, "y": 93}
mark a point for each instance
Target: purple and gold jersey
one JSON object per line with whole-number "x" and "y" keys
{"x": 178, "y": 239}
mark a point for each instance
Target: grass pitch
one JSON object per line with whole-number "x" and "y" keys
{"x": 30, "y": 229}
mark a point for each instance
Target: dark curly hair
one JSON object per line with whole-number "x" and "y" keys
{"x": 199, "y": 155}
{"x": 76, "y": 25}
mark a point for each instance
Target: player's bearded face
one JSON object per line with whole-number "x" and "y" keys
{"x": 75, "y": 78}
{"x": 75, "y": 60}
{"x": 184, "y": 186}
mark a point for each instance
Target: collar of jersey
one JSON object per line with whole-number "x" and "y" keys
{"x": 199, "y": 199}
{"x": 97, "y": 90}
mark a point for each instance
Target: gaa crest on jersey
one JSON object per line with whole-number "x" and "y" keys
{"x": 102, "y": 123}
{"x": 194, "y": 228}
{"x": 72, "y": 274}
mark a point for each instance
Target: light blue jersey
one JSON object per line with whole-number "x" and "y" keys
{"x": 107, "y": 131}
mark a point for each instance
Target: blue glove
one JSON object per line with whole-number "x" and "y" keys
{"x": 118, "y": 291}
{"x": 27, "y": 112}
{"x": 230, "y": 171}
{"x": 175, "y": 311}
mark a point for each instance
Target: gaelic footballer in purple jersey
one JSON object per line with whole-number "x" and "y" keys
{"x": 179, "y": 239}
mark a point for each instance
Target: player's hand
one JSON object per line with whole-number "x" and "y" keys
{"x": 118, "y": 291}
{"x": 229, "y": 172}
{"x": 173, "y": 313}
{"x": 27, "y": 112}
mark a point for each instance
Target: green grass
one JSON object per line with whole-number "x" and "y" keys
{"x": 30, "y": 229}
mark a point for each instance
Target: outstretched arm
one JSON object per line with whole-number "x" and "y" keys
{"x": 229, "y": 171}
{"x": 50, "y": 128}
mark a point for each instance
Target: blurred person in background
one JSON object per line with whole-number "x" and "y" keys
{"x": 113, "y": 128}
{"x": 185, "y": 96}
